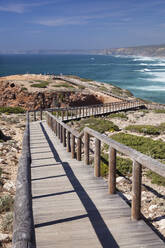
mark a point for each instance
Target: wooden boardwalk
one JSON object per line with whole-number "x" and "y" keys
{"x": 72, "y": 208}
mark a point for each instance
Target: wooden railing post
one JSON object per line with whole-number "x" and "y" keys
{"x": 62, "y": 115}
{"x": 86, "y": 148}
{"x": 136, "y": 191}
{"x": 73, "y": 145}
{"x": 61, "y": 134}
{"x": 112, "y": 171}
{"x": 59, "y": 130}
{"x": 64, "y": 137}
{"x": 92, "y": 110}
{"x": 79, "y": 149}
{"x": 97, "y": 158}
{"x": 34, "y": 115}
{"x": 67, "y": 114}
{"x": 41, "y": 114}
{"x": 54, "y": 126}
{"x": 68, "y": 141}
{"x": 56, "y": 129}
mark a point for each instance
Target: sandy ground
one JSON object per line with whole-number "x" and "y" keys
{"x": 27, "y": 80}
{"x": 10, "y": 151}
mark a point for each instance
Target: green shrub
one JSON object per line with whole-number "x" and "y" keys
{"x": 123, "y": 165}
{"x": 153, "y": 148}
{"x": 24, "y": 89}
{"x": 98, "y": 124}
{"x": 42, "y": 85}
{"x": 6, "y": 203}
{"x": 146, "y": 129}
{"x": 12, "y": 110}
{"x": 63, "y": 85}
{"x": 162, "y": 127}
{"x": 7, "y": 222}
{"x": 155, "y": 178}
{"x": 159, "y": 111}
{"x": 118, "y": 115}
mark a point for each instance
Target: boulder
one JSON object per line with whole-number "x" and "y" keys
{"x": 4, "y": 237}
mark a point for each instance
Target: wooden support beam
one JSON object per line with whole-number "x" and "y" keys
{"x": 136, "y": 191}
{"x": 41, "y": 114}
{"x": 97, "y": 158}
{"x": 59, "y": 130}
{"x": 112, "y": 171}
{"x": 73, "y": 146}
{"x": 62, "y": 115}
{"x": 79, "y": 149}
{"x": 34, "y": 115}
{"x": 86, "y": 148}
{"x": 64, "y": 137}
{"x": 68, "y": 142}
{"x": 61, "y": 134}
{"x": 67, "y": 114}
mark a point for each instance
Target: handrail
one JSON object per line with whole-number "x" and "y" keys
{"x": 23, "y": 230}
{"x": 138, "y": 158}
{"x": 91, "y": 87}
{"x": 90, "y": 106}
{"x": 90, "y": 110}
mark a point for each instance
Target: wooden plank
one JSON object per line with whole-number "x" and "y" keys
{"x": 72, "y": 208}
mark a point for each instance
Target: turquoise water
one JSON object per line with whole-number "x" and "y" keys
{"x": 144, "y": 77}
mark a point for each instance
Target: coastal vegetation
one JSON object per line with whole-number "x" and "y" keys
{"x": 7, "y": 222}
{"x": 6, "y": 203}
{"x": 118, "y": 115}
{"x": 40, "y": 85}
{"x": 12, "y": 110}
{"x": 98, "y": 124}
{"x": 159, "y": 111}
{"x": 123, "y": 165}
{"x": 148, "y": 146}
{"x": 147, "y": 129}
{"x": 65, "y": 85}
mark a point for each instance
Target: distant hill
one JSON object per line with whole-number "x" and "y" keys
{"x": 151, "y": 50}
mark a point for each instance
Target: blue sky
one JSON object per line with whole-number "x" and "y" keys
{"x": 80, "y": 24}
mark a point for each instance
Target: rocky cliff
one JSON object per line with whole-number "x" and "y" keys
{"x": 13, "y": 95}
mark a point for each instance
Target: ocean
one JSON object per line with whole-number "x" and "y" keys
{"x": 143, "y": 76}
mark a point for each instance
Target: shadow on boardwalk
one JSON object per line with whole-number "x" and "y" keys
{"x": 103, "y": 233}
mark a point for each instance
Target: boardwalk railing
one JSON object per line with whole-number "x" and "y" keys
{"x": 91, "y": 110}
{"x": 67, "y": 136}
{"x": 23, "y": 230}
{"x": 155, "y": 106}
{"x": 88, "y": 86}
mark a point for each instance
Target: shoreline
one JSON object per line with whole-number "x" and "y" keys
{"x": 86, "y": 82}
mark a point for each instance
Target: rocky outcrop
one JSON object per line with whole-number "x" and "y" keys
{"x": 13, "y": 95}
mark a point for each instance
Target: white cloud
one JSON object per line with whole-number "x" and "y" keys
{"x": 62, "y": 21}
{"x": 16, "y": 8}
{"x": 20, "y": 8}
{"x": 75, "y": 20}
